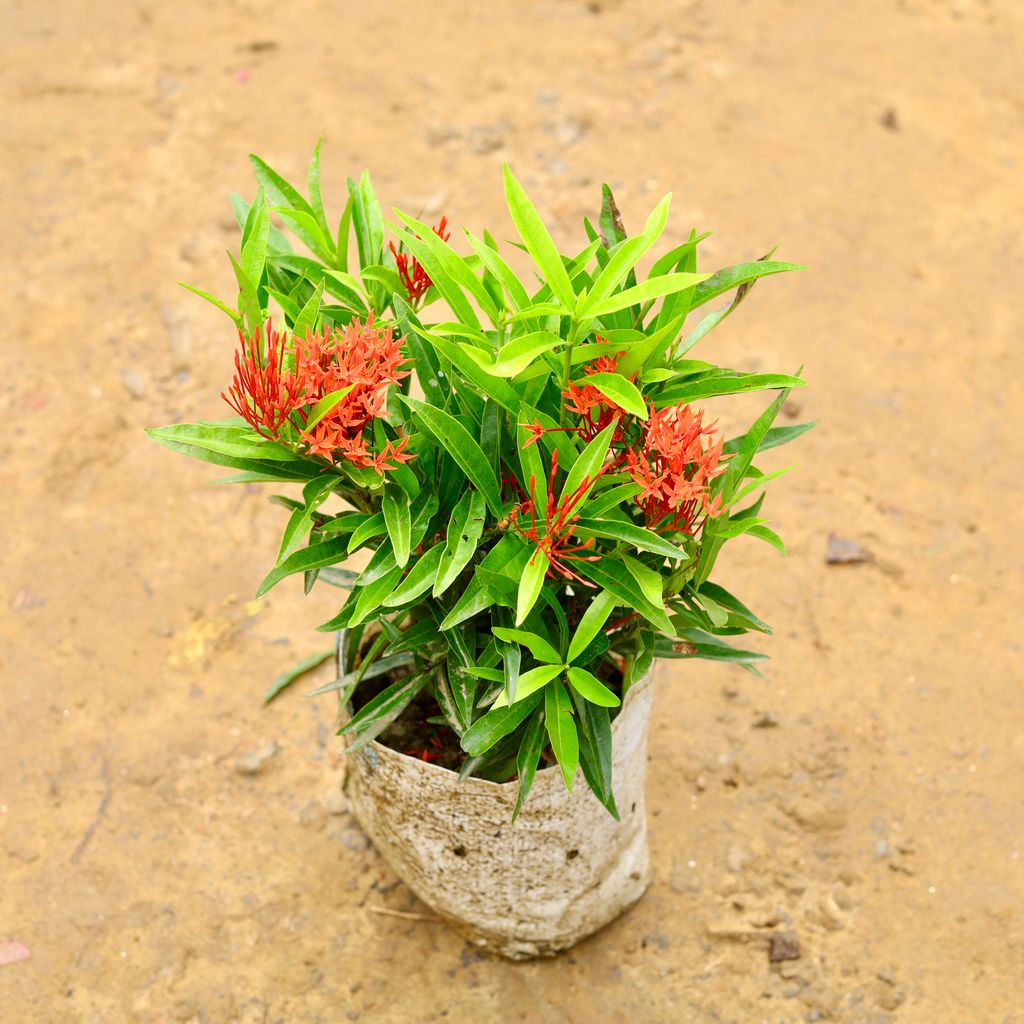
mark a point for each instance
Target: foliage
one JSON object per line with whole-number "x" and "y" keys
{"x": 541, "y": 504}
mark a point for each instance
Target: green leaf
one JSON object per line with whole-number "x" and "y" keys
{"x": 529, "y": 683}
{"x": 590, "y": 687}
{"x": 451, "y": 436}
{"x": 592, "y": 622}
{"x": 652, "y": 288}
{"x": 536, "y": 645}
{"x": 530, "y": 584}
{"x": 624, "y": 258}
{"x": 740, "y": 274}
{"x": 493, "y": 387}
{"x": 595, "y": 732}
{"x": 305, "y": 322}
{"x": 622, "y": 391}
{"x": 610, "y": 219}
{"x": 650, "y": 349}
{"x": 520, "y": 352}
{"x": 248, "y": 298}
{"x": 285, "y": 680}
{"x": 709, "y": 387}
{"x": 499, "y": 722}
{"x": 451, "y": 265}
{"x": 324, "y": 406}
{"x": 418, "y": 580}
{"x": 281, "y": 192}
{"x": 772, "y": 438}
{"x": 256, "y": 235}
{"x": 639, "y": 664}
{"x": 530, "y": 749}
{"x": 650, "y": 580}
{"x": 372, "y": 526}
{"x": 370, "y": 597}
{"x": 315, "y": 493}
{"x": 739, "y": 614}
{"x": 501, "y": 270}
{"x": 614, "y": 576}
{"x": 637, "y": 536}
{"x": 465, "y": 528}
{"x": 316, "y": 200}
{"x": 562, "y": 730}
{"x": 376, "y": 715}
{"x": 537, "y": 241}
{"x": 226, "y": 438}
{"x": 395, "y": 506}
{"x": 325, "y": 552}
{"x": 223, "y": 306}
{"x": 762, "y": 532}
{"x": 587, "y": 465}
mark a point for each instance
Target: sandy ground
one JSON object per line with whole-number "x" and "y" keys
{"x": 867, "y": 796}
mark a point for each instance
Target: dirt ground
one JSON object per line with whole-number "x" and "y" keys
{"x": 867, "y": 797}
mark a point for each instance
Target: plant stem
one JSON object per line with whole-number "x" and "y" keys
{"x": 567, "y": 366}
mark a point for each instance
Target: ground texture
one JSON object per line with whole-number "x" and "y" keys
{"x": 865, "y": 799}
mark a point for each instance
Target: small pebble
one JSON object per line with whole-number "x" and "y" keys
{"x": 134, "y": 383}
{"x": 784, "y": 946}
{"x": 355, "y": 838}
{"x": 255, "y": 761}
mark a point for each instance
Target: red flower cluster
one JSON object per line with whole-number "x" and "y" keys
{"x": 670, "y": 456}
{"x": 263, "y": 392}
{"x": 365, "y": 359}
{"x": 360, "y": 357}
{"x": 555, "y": 543}
{"x": 675, "y": 468}
{"x": 410, "y": 270}
{"x": 595, "y": 410}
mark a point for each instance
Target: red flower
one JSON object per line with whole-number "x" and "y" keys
{"x": 263, "y": 392}
{"x": 415, "y": 279}
{"x": 364, "y": 359}
{"x": 277, "y": 401}
{"x": 556, "y": 543}
{"x": 675, "y": 467}
{"x": 594, "y": 408}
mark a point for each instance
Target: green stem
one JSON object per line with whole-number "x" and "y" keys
{"x": 567, "y": 366}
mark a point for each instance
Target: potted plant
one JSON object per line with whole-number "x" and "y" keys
{"x": 539, "y": 503}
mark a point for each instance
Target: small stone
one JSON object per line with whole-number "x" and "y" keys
{"x": 355, "y": 838}
{"x": 824, "y": 815}
{"x": 255, "y": 761}
{"x": 890, "y": 119}
{"x": 736, "y": 858}
{"x": 13, "y": 952}
{"x": 784, "y": 946}
{"x": 336, "y": 802}
{"x": 26, "y": 599}
{"x": 134, "y": 382}
{"x": 765, "y": 720}
{"x": 890, "y": 998}
{"x": 881, "y": 849}
{"x": 831, "y": 916}
{"x": 842, "y": 551}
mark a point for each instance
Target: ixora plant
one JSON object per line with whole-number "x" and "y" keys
{"x": 542, "y": 504}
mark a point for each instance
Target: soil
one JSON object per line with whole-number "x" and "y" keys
{"x": 842, "y": 842}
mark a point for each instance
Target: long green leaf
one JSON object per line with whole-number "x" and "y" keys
{"x": 537, "y": 241}
{"x": 740, "y": 274}
{"x": 491, "y": 727}
{"x": 376, "y": 715}
{"x": 536, "y": 645}
{"x": 530, "y": 584}
{"x": 595, "y": 733}
{"x": 591, "y": 623}
{"x": 283, "y": 681}
{"x": 530, "y": 749}
{"x": 614, "y": 576}
{"x": 652, "y": 288}
{"x": 562, "y": 730}
{"x": 451, "y": 436}
{"x": 464, "y": 531}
